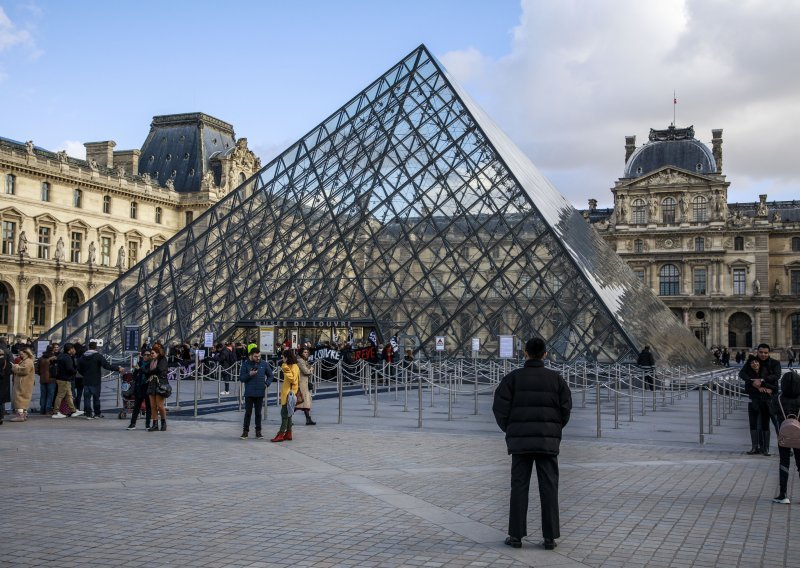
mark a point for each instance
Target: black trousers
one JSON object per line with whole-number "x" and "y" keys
{"x": 251, "y": 402}
{"x": 141, "y": 396}
{"x": 783, "y": 474}
{"x": 547, "y": 476}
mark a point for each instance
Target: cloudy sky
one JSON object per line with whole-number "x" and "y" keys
{"x": 566, "y": 79}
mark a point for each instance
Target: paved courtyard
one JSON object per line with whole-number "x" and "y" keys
{"x": 377, "y": 491}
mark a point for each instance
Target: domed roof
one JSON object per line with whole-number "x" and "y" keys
{"x": 671, "y": 147}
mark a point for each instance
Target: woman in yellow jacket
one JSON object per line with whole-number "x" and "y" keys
{"x": 23, "y": 385}
{"x": 291, "y": 381}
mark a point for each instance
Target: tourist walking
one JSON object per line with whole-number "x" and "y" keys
{"x": 140, "y": 390}
{"x": 65, "y": 376}
{"x": 47, "y": 379}
{"x": 789, "y": 403}
{"x": 790, "y": 356}
{"x": 647, "y": 363}
{"x": 24, "y": 378}
{"x": 291, "y": 379}
{"x": 156, "y": 373}
{"x": 256, "y": 376}
{"x": 306, "y": 371}
{"x": 532, "y": 405}
{"x": 90, "y": 366}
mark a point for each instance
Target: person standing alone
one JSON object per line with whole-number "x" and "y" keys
{"x": 532, "y": 405}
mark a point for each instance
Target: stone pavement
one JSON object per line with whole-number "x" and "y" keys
{"x": 377, "y": 491}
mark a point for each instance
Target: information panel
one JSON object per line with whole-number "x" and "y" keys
{"x": 506, "y": 346}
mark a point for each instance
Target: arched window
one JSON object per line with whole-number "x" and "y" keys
{"x": 700, "y": 209}
{"x": 37, "y": 300}
{"x": 639, "y": 212}
{"x": 158, "y": 215}
{"x": 638, "y": 246}
{"x": 133, "y": 209}
{"x": 795, "y": 319}
{"x": 242, "y": 178}
{"x": 4, "y": 302}
{"x": 72, "y": 301}
{"x": 668, "y": 210}
{"x": 795, "y": 244}
{"x": 45, "y": 191}
{"x": 699, "y": 244}
{"x": 11, "y": 184}
{"x": 738, "y": 243}
{"x": 107, "y": 204}
{"x": 189, "y": 217}
{"x": 669, "y": 280}
{"x": 77, "y": 198}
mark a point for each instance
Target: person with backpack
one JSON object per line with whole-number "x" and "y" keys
{"x": 90, "y": 366}
{"x": 789, "y": 403}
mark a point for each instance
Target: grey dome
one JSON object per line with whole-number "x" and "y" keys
{"x": 671, "y": 147}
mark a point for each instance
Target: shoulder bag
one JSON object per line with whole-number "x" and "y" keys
{"x": 789, "y": 431}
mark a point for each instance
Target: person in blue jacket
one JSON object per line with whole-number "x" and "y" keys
{"x": 256, "y": 376}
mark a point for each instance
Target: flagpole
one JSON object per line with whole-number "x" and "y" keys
{"x": 674, "y": 105}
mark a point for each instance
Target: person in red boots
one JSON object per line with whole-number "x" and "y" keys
{"x": 291, "y": 381}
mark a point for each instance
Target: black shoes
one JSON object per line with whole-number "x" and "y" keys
{"x": 153, "y": 428}
{"x": 513, "y": 542}
{"x": 549, "y": 544}
{"x": 753, "y": 451}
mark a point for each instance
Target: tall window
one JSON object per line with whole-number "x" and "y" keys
{"x": 700, "y": 208}
{"x": 796, "y": 329}
{"x": 77, "y": 198}
{"x": 738, "y": 243}
{"x": 699, "y": 244}
{"x": 44, "y": 242}
{"x": 4, "y": 301}
{"x": 71, "y": 301}
{"x": 639, "y": 212}
{"x": 107, "y": 204}
{"x": 9, "y": 236}
{"x": 75, "y": 246}
{"x": 189, "y": 217}
{"x": 795, "y": 244}
{"x": 669, "y": 280}
{"x": 639, "y": 272}
{"x": 739, "y": 281}
{"x": 105, "y": 251}
{"x": 133, "y": 209}
{"x": 11, "y": 184}
{"x": 700, "y": 279}
{"x": 133, "y": 253}
{"x": 668, "y": 210}
{"x": 794, "y": 282}
{"x": 158, "y": 215}
{"x": 638, "y": 246}
{"x": 45, "y": 191}
{"x": 38, "y": 303}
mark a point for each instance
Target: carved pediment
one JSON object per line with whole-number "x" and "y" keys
{"x": 11, "y": 212}
{"x": 45, "y": 218}
{"x": 77, "y": 224}
{"x": 134, "y": 234}
{"x": 668, "y": 176}
{"x": 794, "y": 265}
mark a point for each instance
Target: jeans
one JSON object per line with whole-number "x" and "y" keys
{"x": 251, "y": 402}
{"x": 286, "y": 420}
{"x": 47, "y": 394}
{"x": 91, "y": 392}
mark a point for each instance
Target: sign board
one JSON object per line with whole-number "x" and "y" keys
{"x": 131, "y": 338}
{"x": 41, "y": 346}
{"x": 208, "y": 339}
{"x": 506, "y": 346}
{"x": 439, "y": 343}
{"x": 476, "y": 344}
{"x": 266, "y": 340}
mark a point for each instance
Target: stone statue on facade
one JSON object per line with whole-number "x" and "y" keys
{"x": 146, "y": 177}
{"x": 22, "y": 248}
{"x": 778, "y": 288}
{"x": 683, "y": 202}
{"x": 62, "y": 156}
{"x": 92, "y": 254}
{"x": 622, "y": 209}
{"x": 170, "y": 185}
{"x": 59, "y": 256}
{"x": 756, "y": 287}
{"x": 121, "y": 258}
{"x": 93, "y": 165}
{"x": 776, "y": 217}
{"x": 29, "y": 147}
{"x": 653, "y": 209}
{"x": 719, "y": 206}
{"x": 761, "y": 209}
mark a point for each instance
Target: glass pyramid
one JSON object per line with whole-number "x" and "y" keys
{"x": 409, "y": 208}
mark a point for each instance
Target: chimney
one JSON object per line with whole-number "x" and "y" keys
{"x": 101, "y": 152}
{"x": 592, "y": 204}
{"x": 128, "y": 159}
{"x": 630, "y": 147}
{"x": 716, "y": 147}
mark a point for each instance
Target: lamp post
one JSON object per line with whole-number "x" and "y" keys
{"x": 33, "y": 321}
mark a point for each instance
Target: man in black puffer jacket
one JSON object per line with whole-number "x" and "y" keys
{"x": 90, "y": 366}
{"x": 532, "y": 405}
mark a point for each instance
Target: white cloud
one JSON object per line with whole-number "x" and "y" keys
{"x": 74, "y": 148}
{"x": 580, "y": 76}
{"x": 10, "y": 34}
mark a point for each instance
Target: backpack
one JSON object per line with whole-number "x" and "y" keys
{"x": 789, "y": 431}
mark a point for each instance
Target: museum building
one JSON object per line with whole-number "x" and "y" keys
{"x": 70, "y": 227}
{"x": 729, "y": 271}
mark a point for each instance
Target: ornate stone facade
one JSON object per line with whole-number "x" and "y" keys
{"x": 70, "y": 227}
{"x": 730, "y": 272}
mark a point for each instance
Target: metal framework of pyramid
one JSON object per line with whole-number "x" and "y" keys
{"x": 407, "y": 207}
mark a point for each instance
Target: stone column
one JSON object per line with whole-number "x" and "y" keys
{"x": 721, "y": 329}
{"x": 757, "y": 326}
{"x": 654, "y": 277}
{"x": 686, "y": 278}
{"x": 685, "y": 316}
{"x": 780, "y": 329}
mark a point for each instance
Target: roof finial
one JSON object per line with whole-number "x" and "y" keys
{"x": 674, "y": 106}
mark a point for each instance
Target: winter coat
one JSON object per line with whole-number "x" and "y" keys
{"x": 767, "y": 373}
{"x": 646, "y": 359}
{"x": 24, "y": 377}
{"x": 790, "y": 394}
{"x": 255, "y": 385}
{"x": 66, "y": 367}
{"x": 306, "y": 371}
{"x": 44, "y": 369}
{"x": 5, "y": 376}
{"x": 532, "y": 405}
{"x": 291, "y": 379}
{"x": 156, "y": 376}
{"x": 90, "y": 365}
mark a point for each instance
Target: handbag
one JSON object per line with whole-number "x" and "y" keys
{"x": 300, "y": 397}
{"x": 291, "y": 402}
{"x": 789, "y": 430}
{"x": 164, "y": 390}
